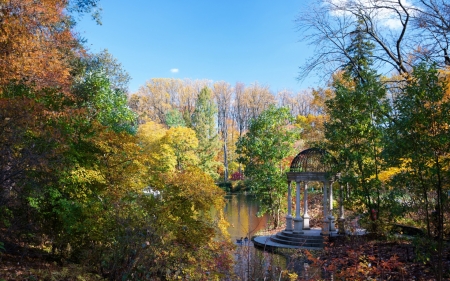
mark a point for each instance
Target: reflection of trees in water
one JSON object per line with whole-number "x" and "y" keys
{"x": 240, "y": 212}
{"x": 254, "y": 264}
{"x": 284, "y": 264}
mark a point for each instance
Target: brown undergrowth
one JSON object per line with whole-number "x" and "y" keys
{"x": 369, "y": 258}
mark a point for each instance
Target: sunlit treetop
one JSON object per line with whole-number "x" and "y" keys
{"x": 37, "y": 42}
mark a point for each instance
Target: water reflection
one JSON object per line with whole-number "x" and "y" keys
{"x": 240, "y": 211}
{"x": 255, "y": 264}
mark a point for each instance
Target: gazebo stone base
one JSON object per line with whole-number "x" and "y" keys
{"x": 289, "y": 223}
{"x": 306, "y": 222}
{"x": 298, "y": 224}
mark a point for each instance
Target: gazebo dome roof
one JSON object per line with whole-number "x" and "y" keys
{"x": 312, "y": 160}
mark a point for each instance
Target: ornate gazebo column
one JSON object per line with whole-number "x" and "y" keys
{"x": 289, "y": 214}
{"x": 341, "y": 220}
{"x": 298, "y": 221}
{"x": 326, "y": 222}
{"x": 305, "y": 207}
{"x": 330, "y": 201}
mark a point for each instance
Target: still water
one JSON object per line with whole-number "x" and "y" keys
{"x": 240, "y": 211}
{"x": 251, "y": 263}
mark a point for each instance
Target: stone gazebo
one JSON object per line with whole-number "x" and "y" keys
{"x": 310, "y": 165}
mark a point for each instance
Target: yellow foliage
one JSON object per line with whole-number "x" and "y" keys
{"x": 312, "y": 125}
{"x": 168, "y": 149}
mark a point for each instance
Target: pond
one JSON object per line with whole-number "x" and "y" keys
{"x": 251, "y": 263}
{"x": 240, "y": 211}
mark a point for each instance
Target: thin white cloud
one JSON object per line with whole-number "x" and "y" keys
{"x": 174, "y": 70}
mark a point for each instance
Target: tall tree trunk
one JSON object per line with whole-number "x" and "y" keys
{"x": 440, "y": 217}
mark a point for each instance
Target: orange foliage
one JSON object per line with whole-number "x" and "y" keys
{"x": 35, "y": 41}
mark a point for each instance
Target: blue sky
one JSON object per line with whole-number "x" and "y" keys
{"x": 247, "y": 41}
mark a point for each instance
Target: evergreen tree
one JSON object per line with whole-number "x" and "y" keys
{"x": 359, "y": 54}
{"x": 174, "y": 118}
{"x": 357, "y": 116}
{"x": 204, "y": 124}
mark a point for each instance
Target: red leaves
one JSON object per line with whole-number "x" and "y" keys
{"x": 362, "y": 261}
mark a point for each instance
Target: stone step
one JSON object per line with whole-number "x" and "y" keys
{"x": 304, "y": 243}
{"x": 300, "y": 238}
{"x": 302, "y": 235}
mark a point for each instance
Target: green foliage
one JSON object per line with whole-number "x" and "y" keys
{"x": 357, "y": 115}
{"x": 419, "y": 140}
{"x": 174, "y": 118}
{"x": 263, "y": 151}
{"x": 104, "y": 62}
{"x": 227, "y": 186}
{"x": 107, "y": 105}
{"x": 72, "y": 175}
{"x": 204, "y": 125}
{"x": 359, "y": 53}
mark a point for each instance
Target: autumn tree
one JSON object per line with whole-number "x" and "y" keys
{"x": 240, "y": 109}
{"x": 298, "y": 103}
{"x": 222, "y": 94}
{"x": 263, "y": 151}
{"x": 419, "y": 141}
{"x": 37, "y": 42}
{"x": 258, "y": 98}
{"x": 168, "y": 150}
{"x": 161, "y": 96}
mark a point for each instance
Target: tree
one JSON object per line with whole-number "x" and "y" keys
{"x": 174, "y": 118}
{"x": 105, "y": 103}
{"x": 240, "y": 111}
{"x": 222, "y": 95}
{"x": 37, "y": 43}
{"x": 168, "y": 150}
{"x": 420, "y": 135}
{"x": 359, "y": 54}
{"x": 30, "y": 144}
{"x": 263, "y": 151}
{"x": 258, "y": 99}
{"x": 354, "y": 129}
{"x": 433, "y": 21}
{"x": 204, "y": 125}
{"x": 159, "y": 96}
{"x": 184, "y": 145}
{"x": 104, "y": 62}
{"x": 298, "y": 104}
{"x": 329, "y": 24}
{"x": 354, "y": 132}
